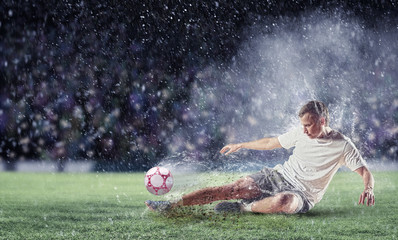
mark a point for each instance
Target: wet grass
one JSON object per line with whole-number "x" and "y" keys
{"x": 111, "y": 206}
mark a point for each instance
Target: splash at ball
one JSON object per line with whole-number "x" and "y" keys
{"x": 158, "y": 180}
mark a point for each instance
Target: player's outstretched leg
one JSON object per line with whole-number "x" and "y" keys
{"x": 244, "y": 188}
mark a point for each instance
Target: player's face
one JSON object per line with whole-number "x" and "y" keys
{"x": 312, "y": 127}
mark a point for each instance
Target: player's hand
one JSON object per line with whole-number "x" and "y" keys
{"x": 230, "y": 148}
{"x": 367, "y": 194}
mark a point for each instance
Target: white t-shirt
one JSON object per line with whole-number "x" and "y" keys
{"x": 315, "y": 161}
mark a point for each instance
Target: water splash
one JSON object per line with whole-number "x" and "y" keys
{"x": 330, "y": 58}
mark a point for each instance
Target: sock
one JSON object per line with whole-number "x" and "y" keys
{"x": 247, "y": 207}
{"x": 177, "y": 202}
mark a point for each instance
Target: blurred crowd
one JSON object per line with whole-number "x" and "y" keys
{"x": 119, "y": 84}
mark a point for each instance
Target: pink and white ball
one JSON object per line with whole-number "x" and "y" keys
{"x": 158, "y": 180}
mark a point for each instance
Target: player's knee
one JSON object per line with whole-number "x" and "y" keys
{"x": 288, "y": 202}
{"x": 245, "y": 188}
{"x": 240, "y": 184}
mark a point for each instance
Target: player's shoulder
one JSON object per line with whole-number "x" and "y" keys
{"x": 342, "y": 140}
{"x": 338, "y": 136}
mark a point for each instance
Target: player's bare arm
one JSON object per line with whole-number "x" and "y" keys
{"x": 368, "y": 181}
{"x": 260, "y": 144}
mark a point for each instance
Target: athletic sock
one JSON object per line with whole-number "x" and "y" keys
{"x": 247, "y": 207}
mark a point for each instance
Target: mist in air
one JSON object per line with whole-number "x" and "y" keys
{"x": 124, "y": 87}
{"x": 284, "y": 63}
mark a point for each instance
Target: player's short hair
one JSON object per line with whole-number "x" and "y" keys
{"x": 317, "y": 109}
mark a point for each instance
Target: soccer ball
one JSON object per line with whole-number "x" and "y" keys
{"x": 158, "y": 180}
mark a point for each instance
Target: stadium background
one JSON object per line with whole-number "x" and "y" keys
{"x": 127, "y": 84}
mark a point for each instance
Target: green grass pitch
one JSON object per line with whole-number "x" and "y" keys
{"x": 111, "y": 206}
